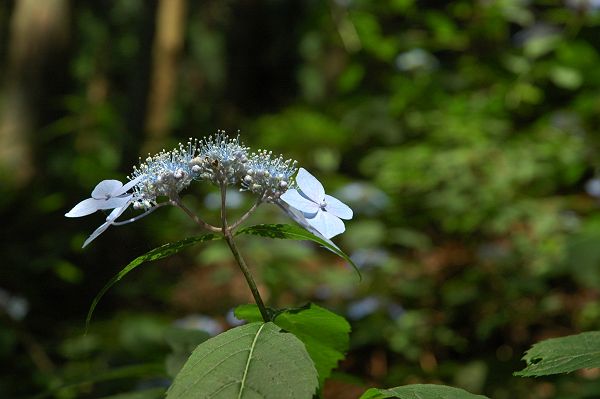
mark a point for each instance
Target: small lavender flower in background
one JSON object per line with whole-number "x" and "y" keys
{"x": 592, "y": 187}
{"x": 322, "y": 211}
{"x": 232, "y": 320}
{"x": 200, "y": 322}
{"x": 221, "y": 160}
{"x": 363, "y": 307}
{"x": 364, "y": 197}
{"x": 268, "y": 176}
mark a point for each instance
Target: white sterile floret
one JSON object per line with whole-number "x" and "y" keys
{"x": 109, "y": 220}
{"x": 167, "y": 173}
{"x": 322, "y": 211}
{"x": 268, "y": 176}
{"x": 221, "y": 160}
{"x": 108, "y": 194}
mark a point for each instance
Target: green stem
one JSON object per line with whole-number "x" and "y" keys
{"x": 249, "y": 279}
{"x": 177, "y": 202}
{"x": 227, "y": 233}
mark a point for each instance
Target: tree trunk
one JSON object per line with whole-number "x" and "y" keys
{"x": 39, "y": 29}
{"x": 168, "y": 42}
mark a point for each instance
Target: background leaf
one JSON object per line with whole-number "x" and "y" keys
{"x": 161, "y": 252}
{"x": 289, "y": 232}
{"x": 248, "y": 312}
{"x": 255, "y": 360}
{"x": 324, "y": 333}
{"x": 182, "y": 341}
{"x": 420, "y": 391}
{"x": 153, "y": 393}
{"x": 562, "y": 355}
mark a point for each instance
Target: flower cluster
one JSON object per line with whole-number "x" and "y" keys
{"x": 166, "y": 174}
{"x": 221, "y": 160}
{"x": 225, "y": 162}
{"x": 268, "y": 176}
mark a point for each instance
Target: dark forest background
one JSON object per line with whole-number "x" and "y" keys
{"x": 464, "y": 134}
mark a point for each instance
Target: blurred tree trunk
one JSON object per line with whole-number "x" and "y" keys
{"x": 168, "y": 42}
{"x": 39, "y": 29}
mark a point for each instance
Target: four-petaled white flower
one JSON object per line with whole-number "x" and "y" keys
{"x": 108, "y": 194}
{"x": 322, "y": 211}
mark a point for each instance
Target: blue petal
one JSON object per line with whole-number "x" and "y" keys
{"x": 327, "y": 224}
{"x": 337, "y": 207}
{"x": 84, "y": 208}
{"x": 106, "y": 188}
{"x": 111, "y": 218}
{"x": 310, "y": 186}
{"x": 115, "y": 202}
{"x": 96, "y": 233}
{"x": 294, "y": 199}
{"x": 299, "y": 218}
{"x": 129, "y": 185}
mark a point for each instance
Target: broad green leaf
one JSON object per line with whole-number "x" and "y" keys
{"x": 562, "y": 355}
{"x": 289, "y": 232}
{"x": 420, "y": 391}
{"x": 161, "y": 252}
{"x": 324, "y": 333}
{"x": 256, "y": 360}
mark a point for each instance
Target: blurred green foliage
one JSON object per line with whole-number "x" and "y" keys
{"x": 464, "y": 135}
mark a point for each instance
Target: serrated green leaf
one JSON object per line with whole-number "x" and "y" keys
{"x": 257, "y": 360}
{"x": 289, "y": 232}
{"x": 562, "y": 355}
{"x": 324, "y": 333}
{"x": 161, "y": 252}
{"x": 420, "y": 391}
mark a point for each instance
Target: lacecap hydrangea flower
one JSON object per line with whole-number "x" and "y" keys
{"x": 227, "y": 163}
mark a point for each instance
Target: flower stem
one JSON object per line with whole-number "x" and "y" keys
{"x": 177, "y": 202}
{"x": 227, "y": 233}
{"x": 245, "y": 216}
{"x": 249, "y": 279}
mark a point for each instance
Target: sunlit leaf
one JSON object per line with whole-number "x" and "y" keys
{"x": 562, "y": 355}
{"x": 289, "y": 232}
{"x": 161, "y": 252}
{"x": 257, "y": 360}
{"x": 324, "y": 333}
{"x": 420, "y": 391}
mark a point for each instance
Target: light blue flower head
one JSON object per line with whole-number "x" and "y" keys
{"x": 166, "y": 175}
{"x": 221, "y": 160}
{"x": 268, "y": 176}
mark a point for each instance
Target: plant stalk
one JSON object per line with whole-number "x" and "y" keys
{"x": 227, "y": 233}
